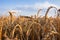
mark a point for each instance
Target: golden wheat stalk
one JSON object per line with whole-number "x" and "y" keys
{"x": 58, "y": 13}
{"x": 52, "y": 33}
{"x": 1, "y": 26}
{"x": 11, "y": 17}
{"x": 30, "y": 29}
{"x": 48, "y": 11}
{"x": 20, "y": 30}
{"x": 0, "y": 32}
{"x": 38, "y": 13}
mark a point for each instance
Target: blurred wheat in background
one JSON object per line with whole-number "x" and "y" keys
{"x": 30, "y": 28}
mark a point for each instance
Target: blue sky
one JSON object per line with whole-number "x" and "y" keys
{"x": 26, "y": 7}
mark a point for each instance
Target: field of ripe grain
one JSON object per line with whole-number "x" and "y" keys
{"x": 30, "y": 27}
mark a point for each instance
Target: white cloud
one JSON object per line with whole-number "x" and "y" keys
{"x": 16, "y": 11}
{"x": 37, "y": 6}
{"x": 32, "y": 8}
{"x": 44, "y": 5}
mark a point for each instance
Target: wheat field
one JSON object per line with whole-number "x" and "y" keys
{"x": 30, "y": 27}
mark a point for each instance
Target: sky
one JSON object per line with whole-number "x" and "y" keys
{"x": 26, "y": 7}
